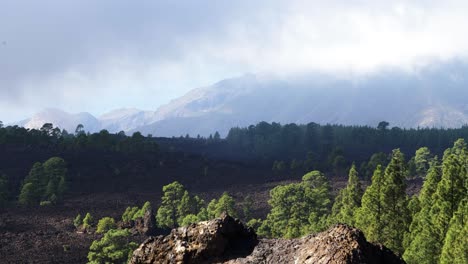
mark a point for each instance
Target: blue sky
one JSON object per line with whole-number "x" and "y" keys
{"x": 95, "y": 56}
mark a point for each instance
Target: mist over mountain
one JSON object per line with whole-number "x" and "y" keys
{"x": 431, "y": 97}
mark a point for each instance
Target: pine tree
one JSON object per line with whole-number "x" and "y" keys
{"x": 113, "y": 247}
{"x": 298, "y": 208}
{"x": 419, "y": 240}
{"x": 226, "y": 204}
{"x": 447, "y": 197}
{"x": 395, "y": 217}
{"x": 455, "y": 249}
{"x": 187, "y": 206}
{"x": 348, "y": 200}
{"x": 88, "y": 220}
{"x": 28, "y": 195}
{"x": 140, "y": 213}
{"x": 168, "y": 214}
{"x": 426, "y": 247}
{"x": 368, "y": 216}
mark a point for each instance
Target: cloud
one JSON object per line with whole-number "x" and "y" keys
{"x": 97, "y": 55}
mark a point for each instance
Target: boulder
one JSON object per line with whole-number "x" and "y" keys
{"x": 205, "y": 242}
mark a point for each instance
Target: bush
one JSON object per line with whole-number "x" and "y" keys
{"x": 114, "y": 247}
{"x": 106, "y": 224}
{"x": 88, "y": 221}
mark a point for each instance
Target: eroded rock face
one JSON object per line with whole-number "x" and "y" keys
{"x": 226, "y": 240}
{"x": 147, "y": 225}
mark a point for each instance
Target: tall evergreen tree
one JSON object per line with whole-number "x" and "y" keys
{"x": 368, "y": 216}
{"x": 168, "y": 212}
{"x": 426, "y": 247}
{"x": 395, "y": 217}
{"x": 455, "y": 249}
{"x": 348, "y": 200}
{"x": 419, "y": 240}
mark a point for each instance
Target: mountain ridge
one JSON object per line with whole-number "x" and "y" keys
{"x": 407, "y": 100}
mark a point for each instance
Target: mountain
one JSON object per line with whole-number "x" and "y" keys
{"x": 433, "y": 96}
{"x": 62, "y": 119}
{"x": 126, "y": 119}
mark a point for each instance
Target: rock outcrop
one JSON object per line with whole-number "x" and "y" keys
{"x": 147, "y": 225}
{"x": 226, "y": 240}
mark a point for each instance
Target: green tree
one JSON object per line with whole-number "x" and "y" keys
{"x": 203, "y": 214}
{"x": 189, "y": 219}
{"x": 348, "y": 200}
{"x": 455, "y": 249}
{"x": 438, "y": 209}
{"x": 105, "y": 224}
{"x": 368, "y": 216}
{"x": 141, "y": 212}
{"x": 129, "y": 213}
{"x": 226, "y": 204}
{"x": 422, "y": 161}
{"x": 33, "y": 186}
{"x": 298, "y": 208}
{"x": 450, "y": 191}
{"x": 88, "y": 221}
{"x": 188, "y": 206}
{"x": 27, "y": 195}
{"x": 419, "y": 241}
{"x": 168, "y": 213}
{"x": 211, "y": 209}
{"x": 55, "y": 170}
{"x": 78, "y": 221}
{"x": 395, "y": 217}
{"x": 113, "y": 247}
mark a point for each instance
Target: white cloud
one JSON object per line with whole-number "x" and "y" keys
{"x": 90, "y": 56}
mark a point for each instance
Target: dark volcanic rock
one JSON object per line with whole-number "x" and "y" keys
{"x": 226, "y": 240}
{"x": 206, "y": 242}
{"x": 147, "y": 225}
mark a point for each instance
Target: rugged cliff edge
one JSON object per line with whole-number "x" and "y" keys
{"x": 227, "y": 240}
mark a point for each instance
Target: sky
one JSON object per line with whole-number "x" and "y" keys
{"x": 96, "y": 56}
